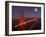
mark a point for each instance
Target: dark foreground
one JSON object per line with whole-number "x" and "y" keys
{"x": 34, "y": 25}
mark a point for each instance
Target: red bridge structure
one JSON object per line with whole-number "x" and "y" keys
{"x": 22, "y": 24}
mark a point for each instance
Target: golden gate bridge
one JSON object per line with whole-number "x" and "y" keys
{"x": 22, "y": 22}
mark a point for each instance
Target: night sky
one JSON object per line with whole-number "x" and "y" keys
{"x": 28, "y": 11}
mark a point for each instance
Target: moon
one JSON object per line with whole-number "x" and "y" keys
{"x": 35, "y": 9}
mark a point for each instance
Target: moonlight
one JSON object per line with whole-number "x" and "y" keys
{"x": 35, "y": 9}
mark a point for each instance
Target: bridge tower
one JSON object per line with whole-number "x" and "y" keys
{"x": 22, "y": 19}
{"x": 21, "y": 15}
